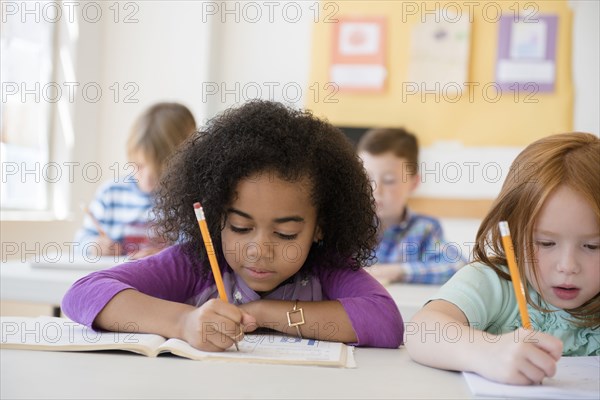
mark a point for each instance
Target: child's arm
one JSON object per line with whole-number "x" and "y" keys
{"x": 153, "y": 296}
{"x": 386, "y": 272}
{"x": 146, "y": 252}
{"x": 428, "y": 259}
{"x": 324, "y": 320}
{"x": 358, "y": 310}
{"x": 93, "y": 233}
{"x": 105, "y": 247}
{"x": 440, "y": 336}
{"x": 96, "y": 243}
{"x": 211, "y": 327}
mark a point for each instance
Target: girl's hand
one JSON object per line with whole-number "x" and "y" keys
{"x": 145, "y": 252}
{"x": 522, "y": 357}
{"x": 215, "y": 326}
{"x": 385, "y": 273}
{"x": 106, "y": 247}
{"x": 252, "y": 309}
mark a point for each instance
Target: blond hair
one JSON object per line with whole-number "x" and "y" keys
{"x": 570, "y": 159}
{"x": 159, "y": 131}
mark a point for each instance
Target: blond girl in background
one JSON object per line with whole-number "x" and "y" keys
{"x": 117, "y": 221}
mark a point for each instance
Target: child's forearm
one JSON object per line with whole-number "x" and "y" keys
{"x": 440, "y": 337}
{"x": 414, "y": 272}
{"x": 132, "y": 311}
{"x": 386, "y": 273}
{"x": 324, "y": 320}
{"x": 436, "y": 340}
{"x": 432, "y": 271}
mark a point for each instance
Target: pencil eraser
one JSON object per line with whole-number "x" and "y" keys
{"x": 504, "y": 231}
{"x": 198, "y": 211}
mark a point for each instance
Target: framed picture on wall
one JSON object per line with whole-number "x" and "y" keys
{"x": 358, "y": 59}
{"x": 527, "y": 53}
{"x": 439, "y": 52}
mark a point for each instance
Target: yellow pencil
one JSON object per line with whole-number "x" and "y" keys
{"x": 514, "y": 273}
{"x": 214, "y": 265}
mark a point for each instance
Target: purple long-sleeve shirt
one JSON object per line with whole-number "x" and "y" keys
{"x": 170, "y": 275}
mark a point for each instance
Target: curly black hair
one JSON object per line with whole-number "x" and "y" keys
{"x": 264, "y": 136}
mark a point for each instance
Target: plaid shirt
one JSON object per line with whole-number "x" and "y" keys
{"x": 418, "y": 245}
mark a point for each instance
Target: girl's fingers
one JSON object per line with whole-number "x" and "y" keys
{"x": 222, "y": 332}
{"x": 226, "y": 327}
{"x": 209, "y": 345}
{"x": 226, "y": 310}
{"x": 532, "y": 373}
{"x": 551, "y": 345}
{"x": 542, "y": 361}
{"x": 248, "y": 323}
{"x": 220, "y": 341}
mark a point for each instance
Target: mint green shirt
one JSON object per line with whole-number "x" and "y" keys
{"x": 489, "y": 304}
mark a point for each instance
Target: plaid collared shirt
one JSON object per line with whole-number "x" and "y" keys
{"x": 418, "y": 245}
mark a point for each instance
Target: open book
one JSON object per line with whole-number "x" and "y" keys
{"x": 576, "y": 378}
{"x": 61, "y": 334}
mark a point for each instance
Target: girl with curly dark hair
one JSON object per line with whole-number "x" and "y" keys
{"x": 291, "y": 214}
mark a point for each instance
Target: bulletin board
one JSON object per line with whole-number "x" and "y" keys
{"x": 479, "y": 116}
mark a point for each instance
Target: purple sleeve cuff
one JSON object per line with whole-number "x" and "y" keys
{"x": 168, "y": 275}
{"x": 376, "y": 322}
{"x": 373, "y": 313}
{"x": 87, "y": 297}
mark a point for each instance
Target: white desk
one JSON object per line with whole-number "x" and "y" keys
{"x": 21, "y": 282}
{"x": 410, "y": 297}
{"x": 380, "y": 374}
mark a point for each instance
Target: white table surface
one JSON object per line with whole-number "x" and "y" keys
{"x": 410, "y": 297}
{"x": 381, "y": 373}
{"x": 21, "y": 282}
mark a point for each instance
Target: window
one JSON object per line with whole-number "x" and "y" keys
{"x": 27, "y": 109}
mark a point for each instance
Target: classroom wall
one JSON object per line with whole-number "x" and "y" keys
{"x": 174, "y": 48}
{"x": 269, "y": 58}
{"x": 165, "y": 55}
{"x": 586, "y": 64}
{"x": 477, "y": 116}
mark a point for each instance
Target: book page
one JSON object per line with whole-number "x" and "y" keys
{"x": 62, "y": 334}
{"x": 576, "y": 378}
{"x": 273, "y": 349}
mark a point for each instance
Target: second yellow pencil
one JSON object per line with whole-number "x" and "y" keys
{"x": 514, "y": 273}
